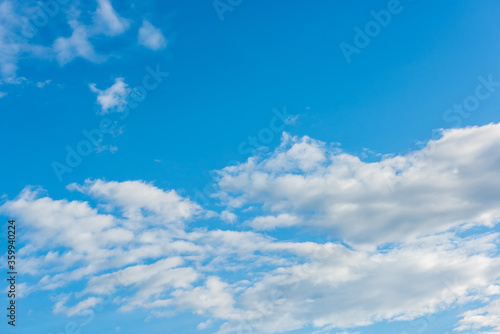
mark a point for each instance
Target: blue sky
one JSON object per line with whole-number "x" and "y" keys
{"x": 385, "y": 159}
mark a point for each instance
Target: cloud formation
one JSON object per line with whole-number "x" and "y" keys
{"x": 151, "y": 37}
{"x": 108, "y": 21}
{"x": 138, "y": 237}
{"x": 22, "y": 25}
{"x": 452, "y": 182}
{"x": 485, "y": 319}
{"x": 112, "y": 99}
{"x": 77, "y": 45}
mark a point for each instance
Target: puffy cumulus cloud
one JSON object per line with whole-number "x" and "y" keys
{"x": 485, "y": 320}
{"x": 70, "y": 241}
{"x": 151, "y": 37}
{"x": 453, "y": 181}
{"x": 231, "y": 251}
{"x": 14, "y": 81}
{"x": 62, "y": 223}
{"x": 112, "y": 98}
{"x": 108, "y": 21}
{"x": 67, "y": 240}
{"x": 140, "y": 200}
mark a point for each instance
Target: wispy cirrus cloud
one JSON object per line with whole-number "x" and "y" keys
{"x": 15, "y": 40}
{"x": 87, "y": 32}
{"x": 106, "y": 21}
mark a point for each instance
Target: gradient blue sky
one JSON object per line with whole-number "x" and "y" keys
{"x": 225, "y": 79}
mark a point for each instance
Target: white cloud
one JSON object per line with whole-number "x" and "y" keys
{"x": 77, "y": 45}
{"x": 14, "y": 81}
{"x": 139, "y": 200}
{"x": 148, "y": 224}
{"x": 91, "y": 243}
{"x": 341, "y": 288}
{"x": 9, "y": 46}
{"x": 3, "y": 94}
{"x": 451, "y": 182}
{"x": 112, "y": 98}
{"x": 81, "y": 308}
{"x": 150, "y": 280}
{"x": 60, "y": 223}
{"x": 263, "y": 223}
{"x": 14, "y": 40}
{"x": 108, "y": 21}
{"x": 151, "y": 37}
{"x": 484, "y": 320}
{"x": 42, "y": 84}
{"x": 228, "y": 216}
{"x": 23, "y": 290}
